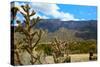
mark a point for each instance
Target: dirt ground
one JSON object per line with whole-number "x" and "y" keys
{"x": 74, "y": 58}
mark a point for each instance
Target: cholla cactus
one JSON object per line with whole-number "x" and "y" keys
{"x": 59, "y": 50}
{"x": 28, "y": 32}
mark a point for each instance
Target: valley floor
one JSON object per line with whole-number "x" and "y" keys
{"x": 74, "y": 58}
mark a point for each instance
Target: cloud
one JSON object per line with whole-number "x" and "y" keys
{"x": 49, "y": 11}
{"x": 18, "y": 4}
{"x": 41, "y": 16}
{"x": 44, "y": 17}
{"x": 65, "y": 16}
{"x": 82, "y": 19}
{"x": 45, "y": 8}
{"x": 52, "y": 10}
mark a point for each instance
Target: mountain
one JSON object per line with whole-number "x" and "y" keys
{"x": 70, "y": 29}
{"x": 85, "y": 29}
{"x": 54, "y": 24}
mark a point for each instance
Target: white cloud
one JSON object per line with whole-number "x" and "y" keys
{"x": 38, "y": 15}
{"x": 17, "y": 4}
{"x": 53, "y": 11}
{"x": 44, "y": 17}
{"x": 50, "y": 10}
{"x": 45, "y": 8}
{"x": 65, "y": 16}
{"x": 83, "y": 19}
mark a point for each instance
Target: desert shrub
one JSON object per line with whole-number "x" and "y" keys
{"x": 83, "y": 46}
{"x": 45, "y": 47}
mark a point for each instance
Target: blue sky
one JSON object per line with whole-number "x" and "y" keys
{"x": 85, "y": 12}
{"x": 64, "y": 12}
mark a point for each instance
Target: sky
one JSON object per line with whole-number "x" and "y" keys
{"x": 64, "y": 12}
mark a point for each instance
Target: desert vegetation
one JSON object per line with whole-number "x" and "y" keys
{"x": 34, "y": 45}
